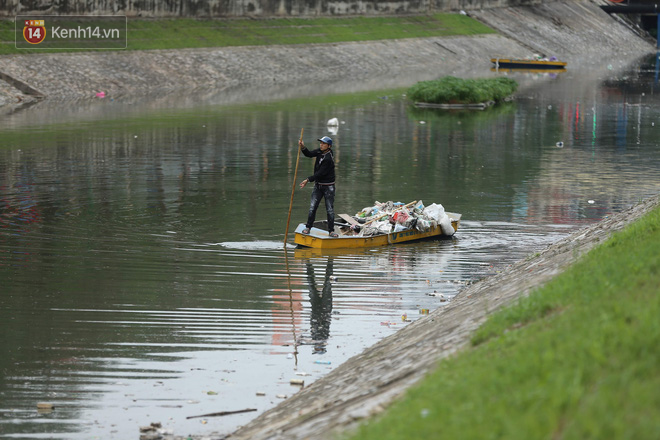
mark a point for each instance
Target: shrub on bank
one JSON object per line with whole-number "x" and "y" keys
{"x": 452, "y": 90}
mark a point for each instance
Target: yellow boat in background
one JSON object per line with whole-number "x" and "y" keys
{"x": 509, "y": 63}
{"x": 319, "y": 238}
{"x": 525, "y": 70}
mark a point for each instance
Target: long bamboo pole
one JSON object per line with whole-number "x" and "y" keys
{"x": 293, "y": 188}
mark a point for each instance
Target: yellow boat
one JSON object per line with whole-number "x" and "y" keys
{"x": 527, "y": 64}
{"x": 319, "y": 238}
{"x": 525, "y": 70}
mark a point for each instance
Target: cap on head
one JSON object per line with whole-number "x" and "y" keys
{"x": 326, "y": 139}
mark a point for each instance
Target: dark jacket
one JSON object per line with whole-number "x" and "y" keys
{"x": 324, "y": 167}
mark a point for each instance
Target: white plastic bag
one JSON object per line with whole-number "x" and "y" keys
{"x": 437, "y": 213}
{"x": 383, "y": 226}
{"x": 445, "y": 225}
{"x": 434, "y": 212}
{"x": 423, "y": 225}
{"x": 399, "y": 227}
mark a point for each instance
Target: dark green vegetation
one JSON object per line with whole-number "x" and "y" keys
{"x": 452, "y": 90}
{"x": 184, "y": 33}
{"x": 577, "y": 359}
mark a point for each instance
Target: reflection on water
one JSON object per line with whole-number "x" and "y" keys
{"x": 143, "y": 274}
{"x": 321, "y": 306}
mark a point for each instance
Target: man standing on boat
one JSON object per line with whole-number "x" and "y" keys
{"x": 324, "y": 183}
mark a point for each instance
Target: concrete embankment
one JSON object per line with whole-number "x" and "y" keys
{"x": 157, "y": 73}
{"x": 577, "y": 32}
{"x": 364, "y": 385}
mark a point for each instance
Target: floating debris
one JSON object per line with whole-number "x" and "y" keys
{"x": 222, "y": 413}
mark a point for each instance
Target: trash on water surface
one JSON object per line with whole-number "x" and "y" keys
{"x": 151, "y": 428}
{"x": 300, "y": 382}
{"x": 442, "y": 297}
{"x": 221, "y": 414}
{"x": 322, "y": 362}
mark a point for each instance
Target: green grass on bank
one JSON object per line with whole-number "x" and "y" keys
{"x": 578, "y": 359}
{"x": 181, "y": 33}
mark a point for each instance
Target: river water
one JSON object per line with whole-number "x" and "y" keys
{"x": 143, "y": 276}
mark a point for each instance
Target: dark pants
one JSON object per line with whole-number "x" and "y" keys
{"x": 328, "y": 193}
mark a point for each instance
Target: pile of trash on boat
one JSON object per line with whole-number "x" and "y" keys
{"x": 388, "y": 217}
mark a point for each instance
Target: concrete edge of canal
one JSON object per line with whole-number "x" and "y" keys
{"x": 575, "y": 31}
{"x": 367, "y": 383}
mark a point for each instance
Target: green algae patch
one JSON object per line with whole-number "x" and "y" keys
{"x": 452, "y": 90}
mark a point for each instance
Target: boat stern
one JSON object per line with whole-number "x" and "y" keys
{"x": 313, "y": 239}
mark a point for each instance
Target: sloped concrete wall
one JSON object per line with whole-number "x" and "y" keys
{"x": 245, "y": 8}
{"x": 576, "y": 31}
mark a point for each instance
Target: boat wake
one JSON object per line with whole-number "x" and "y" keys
{"x": 255, "y": 245}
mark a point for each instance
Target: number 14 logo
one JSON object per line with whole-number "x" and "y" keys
{"x": 34, "y": 31}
